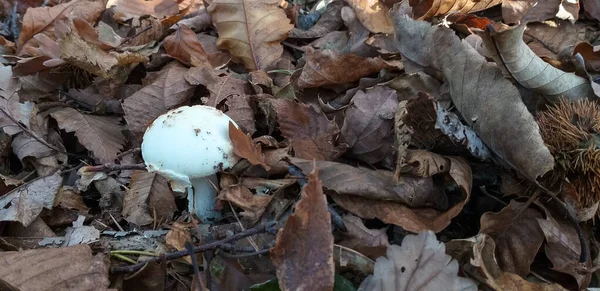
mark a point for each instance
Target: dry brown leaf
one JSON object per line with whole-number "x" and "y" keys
{"x": 25, "y": 203}
{"x": 484, "y": 259}
{"x": 102, "y": 135}
{"x": 431, "y": 8}
{"x": 149, "y": 197}
{"x": 312, "y": 134}
{"x": 69, "y": 198}
{"x": 522, "y": 11}
{"x": 127, "y": 9}
{"x": 303, "y": 252}
{"x": 216, "y": 56}
{"x": 167, "y": 91}
{"x": 373, "y": 15}
{"x": 69, "y": 268}
{"x": 530, "y": 70}
{"x": 220, "y": 85}
{"x": 553, "y": 40}
{"x": 177, "y": 236}
{"x": 239, "y": 109}
{"x": 518, "y": 239}
{"x": 40, "y": 19}
{"x": 328, "y": 67}
{"x": 185, "y": 46}
{"x": 369, "y": 124}
{"x": 357, "y": 35}
{"x": 592, "y": 8}
{"x": 244, "y": 147}
{"x": 251, "y": 30}
{"x": 329, "y": 21}
{"x": 420, "y": 263}
{"x": 563, "y": 249}
{"x": 254, "y": 205}
{"x": 505, "y": 125}
{"x": 590, "y": 55}
{"x": 370, "y": 242}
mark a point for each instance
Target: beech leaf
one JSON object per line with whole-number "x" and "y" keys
{"x": 431, "y": 8}
{"x": 185, "y": 46}
{"x": 251, "y": 30}
{"x": 149, "y": 197}
{"x": 373, "y": 15}
{"x": 244, "y": 147}
{"x": 254, "y": 205}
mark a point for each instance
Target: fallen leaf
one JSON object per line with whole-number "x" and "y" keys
{"x": 220, "y": 85}
{"x": 428, "y": 9}
{"x": 369, "y": 124}
{"x": 484, "y": 259}
{"x": 517, "y": 235}
{"x": 99, "y": 134}
{"x": 328, "y": 67}
{"x": 168, "y": 91}
{"x": 185, "y": 47}
{"x": 329, "y": 21}
{"x": 80, "y": 234}
{"x": 25, "y": 203}
{"x": 67, "y": 268}
{"x": 512, "y": 134}
{"x": 251, "y": 30}
{"x": 530, "y": 70}
{"x": 239, "y": 109}
{"x": 127, "y": 9}
{"x": 253, "y": 205}
{"x": 311, "y": 133}
{"x": 563, "y": 249}
{"x": 69, "y": 198}
{"x": 148, "y": 199}
{"x": 375, "y": 184}
{"x": 370, "y": 242}
{"x": 244, "y": 147}
{"x": 420, "y": 263}
{"x": 592, "y": 8}
{"x": 373, "y": 15}
{"x": 303, "y": 252}
{"x": 178, "y": 235}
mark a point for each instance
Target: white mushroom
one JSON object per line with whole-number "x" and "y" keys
{"x": 189, "y": 145}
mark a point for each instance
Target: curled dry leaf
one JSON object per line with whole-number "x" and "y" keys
{"x": 149, "y": 197}
{"x": 25, "y": 203}
{"x": 251, "y": 30}
{"x": 177, "y": 236}
{"x": 373, "y": 14}
{"x": 517, "y": 235}
{"x": 420, "y": 263}
{"x": 370, "y": 242}
{"x": 220, "y": 84}
{"x": 99, "y": 134}
{"x": 254, "y": 205}
{"x": 369, "y": 124}
{"x": 185, "y": 46}
{"x": 311, "y": 133}
{"x": 68, "y": 268}
{"x": 329, "y": 21}
{"x": 429, "y": 9}
{"x": 127, "y": 9}
{"x": 510, "y": 52}
{"x": 523, "y": 11}
{"x": 328, "y": 67}
{"x": 553, "y": 40}
{"x": 167, "y": 91}
{"x": 244, "y": 147}
{"x": 505, "y": 125}
{"x": 303, "y": 252}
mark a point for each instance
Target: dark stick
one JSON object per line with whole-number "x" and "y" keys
{"x": 113, "y": 167}
{"x": 261, "y": 228}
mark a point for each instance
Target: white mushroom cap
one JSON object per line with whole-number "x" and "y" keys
{"x": 187, "y": 143}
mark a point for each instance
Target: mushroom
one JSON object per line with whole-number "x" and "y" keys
{"x": 188, "y": 146}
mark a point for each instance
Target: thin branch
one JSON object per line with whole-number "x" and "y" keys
{"x": 261, "y": 228}
{"x": 244, "y": 255}
{"x": 108, "y": 167}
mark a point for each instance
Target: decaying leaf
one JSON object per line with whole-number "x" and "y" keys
{"x": 149, "y": 197}
{"x": 178, "y": 235}
{"x": 127, "y": 9}
{"x": 429, "y": 9}
{"x": 373, "y": 15}
{"x": 100, "y": 134}
{"x": 312, "y": 134}
{"x": 68, "y": 268}
{"x": 303, "y": 252}
{"x": 167, "y": 91}
{"x": 523, "y": 11}
{"x": 25, "y": 203}
{"x": 185, "y": 46}
{"x": 368, "y": 125}
{"x": 244, "y": 147}
{"x": 517, "y": 235}
{"x": 251, "y": 30}
{"x": 370, "y": 242}
{"x": 254, "y": 205}
{"x": 420, "y": 263}
{"x": 329, "y": 21}
{"x": 328, "y": 67}
{"x": 220, "y": 85}
{"x": 505, "y": 125}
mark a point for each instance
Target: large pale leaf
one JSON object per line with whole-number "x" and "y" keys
{"x": 99, "y": 134}
{"x": 373, "y": 15}
{"x": 303, "y": 252}
{"x": 25, "y": 203}
{"x": 420, "y": 263}
{"x": 431, "y": 8}
{"x": 510, "y": 52}
{"x": 486, "y": 100}
{"x": 251, "y": 30}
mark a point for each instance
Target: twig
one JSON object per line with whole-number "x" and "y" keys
{"x": 136, "y": 35}
{"x": 239, "y": 256}
{"x": 123, "y": 258}
{"x": 261, "y": 228}
{"x": 130, "y": 151}
{"x": 108, "y": 167}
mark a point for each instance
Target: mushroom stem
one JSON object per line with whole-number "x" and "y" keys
{"x": 202, "y": 198}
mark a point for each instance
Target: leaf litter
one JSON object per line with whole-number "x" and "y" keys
{"x": 378, "y": 145}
